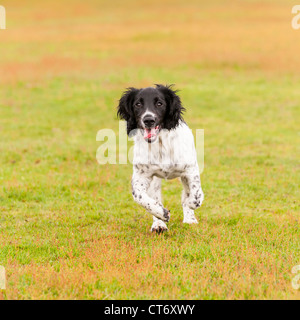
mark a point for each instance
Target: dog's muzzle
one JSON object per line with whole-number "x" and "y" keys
{"x": 150, "y": 131}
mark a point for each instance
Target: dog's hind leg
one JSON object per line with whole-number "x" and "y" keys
{"x": 188, "y": 214}
{"x": 192, "y": 197}
{"x": 154, "y": 192}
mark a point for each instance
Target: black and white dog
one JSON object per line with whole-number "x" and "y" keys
{"x": 163, "y": 149}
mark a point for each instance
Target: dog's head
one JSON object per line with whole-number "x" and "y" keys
{"x": 150, "y": 109}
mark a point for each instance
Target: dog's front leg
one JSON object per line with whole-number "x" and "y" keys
{"x": 140, "y": 185}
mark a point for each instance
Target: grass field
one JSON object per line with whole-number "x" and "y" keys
{"x": 69, "y": 228}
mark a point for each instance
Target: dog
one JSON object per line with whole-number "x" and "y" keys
{"x": 163, "y": 149}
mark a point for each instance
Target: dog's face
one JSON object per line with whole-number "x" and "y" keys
{"x": 150, "y": 109}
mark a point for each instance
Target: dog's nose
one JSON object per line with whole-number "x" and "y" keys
{"x": 149, "y": 121}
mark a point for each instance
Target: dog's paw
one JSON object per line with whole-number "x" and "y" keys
{"x": 167, "y": 215}
{"x": 196, "y": 201}
{"x": 159, "y": 227}
{"x": 190, "y": 219}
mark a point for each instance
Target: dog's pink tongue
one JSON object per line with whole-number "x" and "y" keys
{"x": 149, "y": 133}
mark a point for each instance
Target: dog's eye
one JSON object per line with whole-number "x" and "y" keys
{"x": 159, "y": 104}
{"x": 138, "y": 104}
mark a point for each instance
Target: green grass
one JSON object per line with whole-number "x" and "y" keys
{"x": 69, "y": 228}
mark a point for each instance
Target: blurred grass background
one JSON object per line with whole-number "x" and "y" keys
{"x": 69, "y": 228}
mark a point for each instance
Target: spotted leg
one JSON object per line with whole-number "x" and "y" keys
{"x": 192, "y": 196}
{"x": 140, "y": 185}
{"x": 154, "y": 192}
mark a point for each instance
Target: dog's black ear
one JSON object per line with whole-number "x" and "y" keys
{"x": 125, "y": 110}
{"x": 174, "y": 107}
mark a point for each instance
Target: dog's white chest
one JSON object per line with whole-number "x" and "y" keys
{"x": 170, "y": 155}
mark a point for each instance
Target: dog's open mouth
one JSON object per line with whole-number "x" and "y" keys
{"x": 151, "y": 134}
